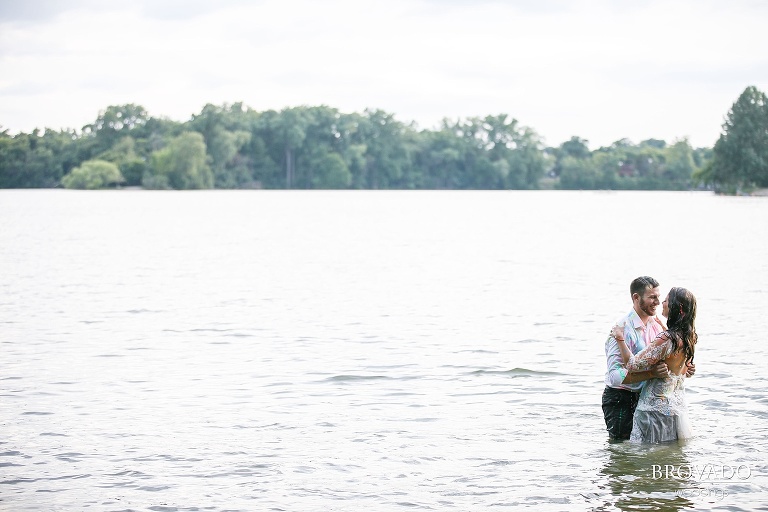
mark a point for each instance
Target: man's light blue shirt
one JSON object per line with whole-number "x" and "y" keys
{"x": 637, "y": 335}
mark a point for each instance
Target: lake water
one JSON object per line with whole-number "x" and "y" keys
{"x": 347, "y": 351}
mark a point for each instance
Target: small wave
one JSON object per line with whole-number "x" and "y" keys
{"x": 161, "y": 457}
{"x": 154, "y": 488}
{"x": 514, "y": 372}
{"x": 69, "y": 457}
{"x": 277, "y": 384}
{"x": 44, "y": 479}
{"x": 717, "y": 404}
{"x": 353, "y": 378}
{"x": 137, "y": 474}
{"x": 500, "y": 463}
{"x": 389, "y": 366}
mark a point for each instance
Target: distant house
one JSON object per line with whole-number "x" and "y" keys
{"x": 627, "y": 170}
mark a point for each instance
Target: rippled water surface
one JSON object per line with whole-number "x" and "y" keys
{"x": 351, "y": 351}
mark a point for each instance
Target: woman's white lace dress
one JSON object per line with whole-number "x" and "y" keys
{"x": 662, "y": 411}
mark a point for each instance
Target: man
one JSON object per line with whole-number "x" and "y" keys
{"x": 622, "y": 389}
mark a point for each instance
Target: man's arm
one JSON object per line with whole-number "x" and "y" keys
{"x": 657, "y": 372}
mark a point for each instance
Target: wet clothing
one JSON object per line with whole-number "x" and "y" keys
{"x": 620, "y": 400}
{"x": 637, "y": 336}
{"x": 618, "y": 411}
{"x": 661, "y": 414}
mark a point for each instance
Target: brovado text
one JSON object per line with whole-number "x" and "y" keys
{"x": 705, "y": 473}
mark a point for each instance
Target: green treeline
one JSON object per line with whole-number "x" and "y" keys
{"x": 233, "y": 146}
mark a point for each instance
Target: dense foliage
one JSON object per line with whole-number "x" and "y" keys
{"x": 740, "y": 160}
{"x": 93, "y": 174}
{"x": 232, "y": 146}
{"x": 650, "y": 165}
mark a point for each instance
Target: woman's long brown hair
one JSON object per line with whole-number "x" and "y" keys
{"x": 681, "y": 321}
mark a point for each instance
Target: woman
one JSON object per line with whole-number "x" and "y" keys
{"x": 661, "y": 413}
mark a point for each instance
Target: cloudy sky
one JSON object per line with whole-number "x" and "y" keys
{"x": 602, "y": 70}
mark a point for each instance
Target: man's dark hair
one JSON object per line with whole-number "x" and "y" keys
{"x": 642, "y": 283}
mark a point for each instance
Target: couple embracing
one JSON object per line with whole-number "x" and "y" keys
{"x": 648, "y": 362}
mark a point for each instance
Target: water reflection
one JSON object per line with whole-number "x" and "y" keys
{"x": 643, "y": 477}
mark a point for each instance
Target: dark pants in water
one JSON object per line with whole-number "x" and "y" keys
{"x": 618, "y": 410}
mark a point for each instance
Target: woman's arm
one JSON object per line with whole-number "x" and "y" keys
{"x": 653, "y": 370}
{"x": 656, "y": 351}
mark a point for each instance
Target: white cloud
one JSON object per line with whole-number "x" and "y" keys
{"x": 598, "y": 69}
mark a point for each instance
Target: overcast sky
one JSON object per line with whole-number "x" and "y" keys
{"x": 601, "y": 70}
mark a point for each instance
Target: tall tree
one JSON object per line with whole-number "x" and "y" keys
{"x": 576, "y": 147}
{"x": 291, "y": 127}
{"x": 114, "y": 123}
{"x": 388, "y": 152}
{"x": 741, "y": 153}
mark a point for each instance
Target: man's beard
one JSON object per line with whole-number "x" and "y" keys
{"x": 647, "y": 307}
